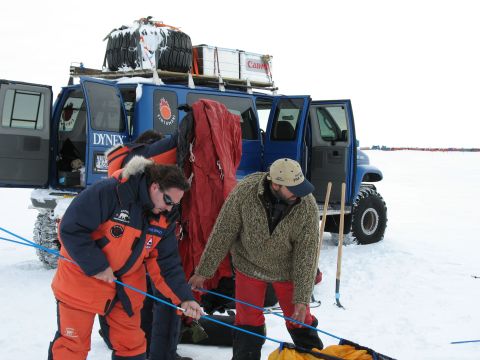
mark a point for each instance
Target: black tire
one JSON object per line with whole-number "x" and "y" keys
{"x": 132, "y": 54}
{"x": 369, "y": 216}
{"x": 174, "y": 53}
{"x": 116, "y": 56}
{"x": 118, "y": 51}
{"x": 45, "y": 235}
{"x": 124, "y": 49}
{"x": 110, "y": 55}
{"x": 162, "y": 52}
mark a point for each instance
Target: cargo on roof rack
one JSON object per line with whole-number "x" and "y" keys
{"x": 232, "y": 63}
{"x": 148, "y": 44}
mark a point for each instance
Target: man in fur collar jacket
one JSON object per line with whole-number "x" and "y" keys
{"x": 112, "y": 231}
{"x": 270, "y": 225}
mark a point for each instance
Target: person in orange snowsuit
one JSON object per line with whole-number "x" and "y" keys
{"x": 112, "y": 231}
{"x": 161, "y": 324}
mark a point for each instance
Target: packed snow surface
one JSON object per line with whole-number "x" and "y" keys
{"x": 408, "y": 296}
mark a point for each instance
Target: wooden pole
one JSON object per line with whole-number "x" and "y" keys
{"x": 340, "y": 247}
{"x": 324, "y": 214}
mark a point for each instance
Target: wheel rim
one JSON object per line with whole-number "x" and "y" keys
{"x": 369, "y": 221}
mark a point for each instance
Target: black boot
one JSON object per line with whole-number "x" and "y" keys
{"x": 306, "y": 338}
{"x": 247, "y": 346}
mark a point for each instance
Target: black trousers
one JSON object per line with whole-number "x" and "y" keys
{"x": 161, "y": 325}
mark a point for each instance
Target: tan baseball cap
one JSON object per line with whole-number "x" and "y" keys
{"x": 288, "y": 172}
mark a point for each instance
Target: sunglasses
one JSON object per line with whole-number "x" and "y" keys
{"x": 168, "y": 200}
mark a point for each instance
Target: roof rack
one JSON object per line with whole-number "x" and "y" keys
{"x": 177, "y": 77}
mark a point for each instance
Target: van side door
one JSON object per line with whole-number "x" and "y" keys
{"x": 107, "y": 124}
{"x": 24, "y": 134}
{"x": 285, "y": 133}
{"x": 333, "y": 152}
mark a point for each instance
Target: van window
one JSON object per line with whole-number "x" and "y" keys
{"x": 236, "y": 105}
{"x": 332, "y": 121}
{"x": 287, "y": 115}
{"x": 23, "y": 109}
{"x": 105, "y": 108}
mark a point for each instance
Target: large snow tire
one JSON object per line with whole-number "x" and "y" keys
{"x": 45, "y": 235}
{"x": 369, "y": 219}
{"x": 133, "y": 50}
{"x": 110, "y": 54}
{"x": 116, "y": 53}
{"x": 125, "y": 42}
{"x": 174, "y": 53}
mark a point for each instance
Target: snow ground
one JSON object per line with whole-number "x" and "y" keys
{"x": 408, "y": 296}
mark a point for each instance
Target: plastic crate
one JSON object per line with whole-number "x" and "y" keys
{"x": 231, "y": 63}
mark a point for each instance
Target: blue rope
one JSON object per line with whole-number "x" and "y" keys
{"x": 17, "y": 242}
{"x": 270, "y": 312}
{"x": 17, "y": 236}
{"x": 56, "y": 253}
{"x": 34, "y": 245}
{"x": 464, "y": 341}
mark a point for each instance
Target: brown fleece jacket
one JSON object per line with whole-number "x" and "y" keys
{"x": 290, "y": 253}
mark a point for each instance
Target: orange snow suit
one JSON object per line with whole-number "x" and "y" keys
{"x": 106, "y": 225}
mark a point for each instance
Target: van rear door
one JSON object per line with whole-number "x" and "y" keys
{"x": 107, "y": 124}
{"x": 24, "y": 134}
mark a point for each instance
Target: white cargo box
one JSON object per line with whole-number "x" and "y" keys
{"x": 231, "y": 63}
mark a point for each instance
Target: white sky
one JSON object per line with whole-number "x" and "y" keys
{"x": 411, "y": 68}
